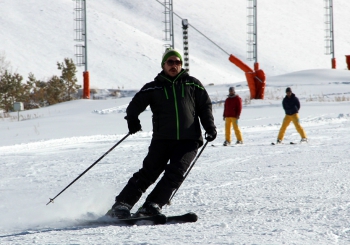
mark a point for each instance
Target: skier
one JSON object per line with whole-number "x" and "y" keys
{"x": 291, "y": 106}
{"x": 232, "y": 112}
{"x": 179, "y": 103}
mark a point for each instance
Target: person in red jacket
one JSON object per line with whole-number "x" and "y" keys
{"x": 232, "y": 112}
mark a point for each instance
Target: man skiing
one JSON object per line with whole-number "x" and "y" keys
{"x": 179, "y": 103}
{"x": 291, "y": 106}
{"x": 232, "y": 112}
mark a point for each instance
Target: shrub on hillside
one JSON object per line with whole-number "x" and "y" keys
{"x": 35, "y": 93}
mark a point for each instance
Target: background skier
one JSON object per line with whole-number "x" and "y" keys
{"x": 291, "y": 106}
{"x": 179, "y": 104}
{"x": 232, "y": 112}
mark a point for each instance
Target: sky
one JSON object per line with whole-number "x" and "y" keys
{"x": 255, "y": 193}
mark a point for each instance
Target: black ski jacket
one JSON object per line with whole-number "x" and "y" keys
{"x": 291, "y": 105}
{"x": 177, "y": 105}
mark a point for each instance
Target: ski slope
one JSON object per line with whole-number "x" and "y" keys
{"x": 250, "y": 194}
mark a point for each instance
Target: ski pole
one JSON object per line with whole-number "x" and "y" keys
{"x": 52, "y": 199}
{"x": 188, "y": 171}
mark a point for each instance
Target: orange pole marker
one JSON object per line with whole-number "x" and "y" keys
{"x": 256, "y": 66}
{"x": 334, "y": 63}
{"x": 348, "y": 61}
{"x": 86, "y": 89}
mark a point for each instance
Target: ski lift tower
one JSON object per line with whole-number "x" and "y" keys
{"x": 252, "y": 33}
{"x": 169, "y": 23}
{"x": 81, "y": 49}
{"x": 329, "y": 31}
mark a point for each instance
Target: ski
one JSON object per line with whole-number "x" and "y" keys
{"x": 156, "y": 219}
{"x": 108, "y": 220}
{"x": 291, "y": 143}
{"x": 234, "y": 145}
{"x": 159, "y": 219}
{"x": 184, "y": 218}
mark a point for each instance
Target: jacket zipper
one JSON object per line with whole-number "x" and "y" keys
{"x": 175, "y": 103}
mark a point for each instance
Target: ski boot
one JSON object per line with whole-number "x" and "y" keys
{"x": 148, "y": 209}
{"x": 120, "y": 210}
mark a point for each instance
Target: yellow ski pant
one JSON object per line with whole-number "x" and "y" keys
{"x": 229, "y": 121}
{"x": 286, "y": 121}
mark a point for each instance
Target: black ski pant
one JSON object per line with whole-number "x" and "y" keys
{"x": 171, "y": 156}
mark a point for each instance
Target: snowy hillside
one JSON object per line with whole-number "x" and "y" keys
{"x": 125, "y": 38}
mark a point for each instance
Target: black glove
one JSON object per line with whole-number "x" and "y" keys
{"x": 210, "y": 134}
{"x": 134, "y": 125}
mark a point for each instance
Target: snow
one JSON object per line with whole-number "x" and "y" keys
{"x": 250, "y": 194}
{"x": 124, "y": 35}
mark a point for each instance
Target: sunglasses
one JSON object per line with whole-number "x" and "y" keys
{"x": 173, "y": 62}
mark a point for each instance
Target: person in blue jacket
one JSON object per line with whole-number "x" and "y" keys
{"x": 291, "y": 106}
